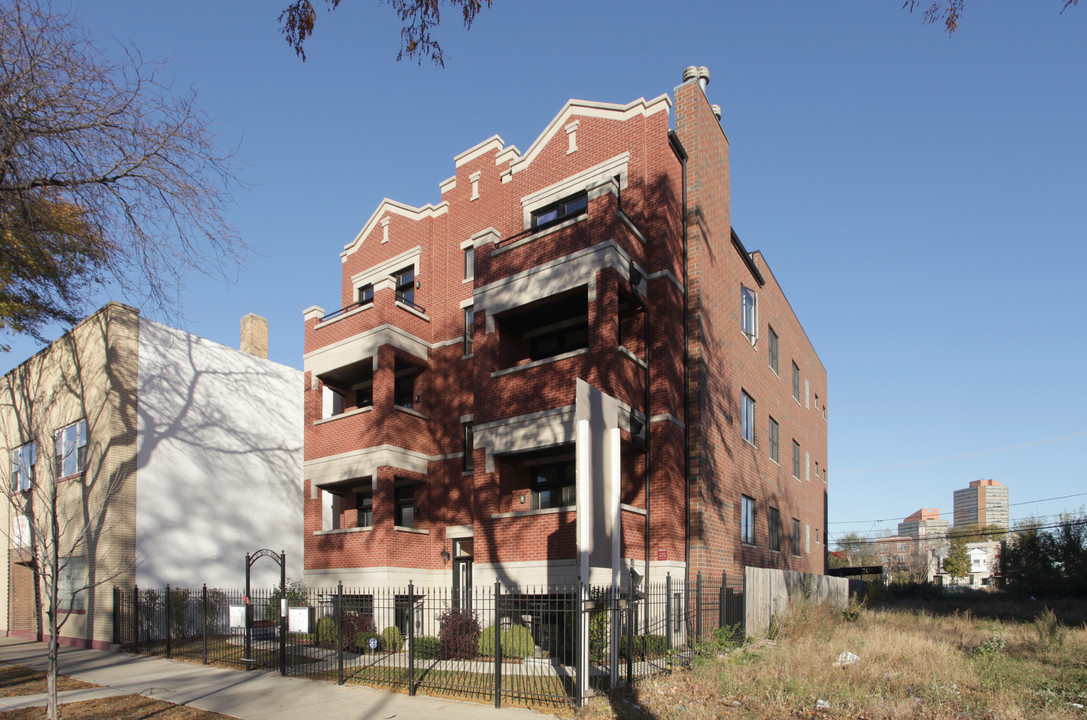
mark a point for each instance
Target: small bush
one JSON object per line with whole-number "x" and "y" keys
{"x": 458, "y": 633}
{"x": 356, "y": 622}
{"x": 517, "y": 642}
{"x": 1049, "y": 630}
{"x": 392, "y": 638}
{"x": 645, "y": 646}
{"x": 362, "y": 641}
{"x": 326, "y": 631}
{"x": 428, "y": 647}
{"x": 486, "y": 642}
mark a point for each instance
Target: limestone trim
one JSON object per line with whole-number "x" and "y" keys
{"x": 396, "y": 208}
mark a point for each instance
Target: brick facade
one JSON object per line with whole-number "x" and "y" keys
{"x": 578, "y": 271}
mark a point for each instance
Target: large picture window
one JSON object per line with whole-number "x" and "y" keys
{"x": 553, "y": 484}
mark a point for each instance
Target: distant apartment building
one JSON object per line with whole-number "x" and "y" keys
{"x": 166, "y": 457}
{"x": 984, "y": 503}
{"x": 925, "y": 523}
{"x": 572, "y": 352}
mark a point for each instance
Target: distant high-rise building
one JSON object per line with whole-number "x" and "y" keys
{"x": 925, "y": 523}
{"x": 984, "y": 503}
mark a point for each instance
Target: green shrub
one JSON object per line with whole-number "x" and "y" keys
{"x": 428, "y": 647}
{"x": 517, "y": 642}
{"x": 645, "y": 646}
{"x": 326, "y": 631}
{"x": 362, "y": 641}
{"x": 486, "y": 642}
{"x": 392, "y": 639}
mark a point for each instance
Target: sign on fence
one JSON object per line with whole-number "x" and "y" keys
{"x": 237, "y": 617}
{"x": 299, "y": 619}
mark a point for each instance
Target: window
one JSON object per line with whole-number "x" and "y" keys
{"x": 816, "y": 469}
{"x": 557, "y": 212}
{"x": 469, "y": 330}
{"x": 807, "y": 466}
{"x": 70, "y": 444}
{"x": 364, "y": 505}
{"x": 553, "y": 484}
{"x": 775, "y": 529}
{"x": 796, "y": 383}
{"x": 816, "y": 401}
{"x": 404, "y": 385}
{"x": 772, "y": 352}
{"x": 796, "y": 459}
{"x": 807, "y": 395}
{"x": 747, "y": 417}
{"x": 22, "y": 467}
{"x": 404, "y": 510}
{"x": 749, "y": 313}
{"x": 71, "y": 583}
{"x": 747, "y": 520}
{"x": 366, "y": 294}
{"x": 469, "y": 262}
{"x": 775, "y": 432}
{"x": 405, "y": 285}
{"x": 468, "y": 446}
{"x": 796, "y": 537}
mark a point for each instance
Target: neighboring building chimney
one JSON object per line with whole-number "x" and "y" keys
{"x": 255, "y": 335}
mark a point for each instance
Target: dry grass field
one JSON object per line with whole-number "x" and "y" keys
{"x": 996, "y": 659}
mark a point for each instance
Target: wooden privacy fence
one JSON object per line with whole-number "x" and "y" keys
{"x": 769, "y": 592}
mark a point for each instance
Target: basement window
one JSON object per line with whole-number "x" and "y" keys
{"x": 559, "y": 211}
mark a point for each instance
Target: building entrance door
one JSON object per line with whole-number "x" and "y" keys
{"x": 462, "y": 574}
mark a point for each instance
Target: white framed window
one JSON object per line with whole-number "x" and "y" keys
{"x": 70, "y": 447}
{"x": 749, "y": 313}
{"x": 747, "y": 520}
{"x": 22, "y": 467}
{"x": 747, "y": 417}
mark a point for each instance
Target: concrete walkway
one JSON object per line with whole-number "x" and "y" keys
{"x": 254, "y": 695}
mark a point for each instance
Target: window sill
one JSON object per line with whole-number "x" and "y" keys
{"x": 631, "y": 509}
{"x": 409, "y": 411}
{"x": 745, "y": 543}
{"x": 349, "y": 413}
{"x": 413, "y": 311}
{"x": 529, "y": 513}
{"x": 343, "y": 531}
{"x": 538, "y": 363}
{"x": 623, "y": 351}
{"x": 405, "y": 529}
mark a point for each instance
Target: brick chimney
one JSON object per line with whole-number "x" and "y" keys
{"x": 255, "y": 335}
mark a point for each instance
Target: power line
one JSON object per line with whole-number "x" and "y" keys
{"x": 900, "y": 518}
{"x": 951, "y": 534}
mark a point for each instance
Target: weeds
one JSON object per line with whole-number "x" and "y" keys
{"x": 1049, "y": 630}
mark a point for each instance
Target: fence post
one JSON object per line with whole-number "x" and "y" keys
{"x": 581, "y": 647}
{"x": 668, "y": 615}
{"x": 630, "y": 629}
{"x": 411, "y": 637}
{"x": 339, "y": 633}
{"x": 136, "y": 617}
{"x": 698, "y": 607}
{"x": 166, "y": 621}
{"x": 205, "y": 612}
{"x": 116, "y": 616}
{"x": 722, "y": 612}
{"x": 497, "y": 644}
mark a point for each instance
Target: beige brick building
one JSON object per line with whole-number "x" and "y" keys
{"x": 155, "y": 447}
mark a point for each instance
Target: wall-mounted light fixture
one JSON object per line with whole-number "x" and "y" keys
{"x": 445, "y": 556}
{"x": 418, "y": 285}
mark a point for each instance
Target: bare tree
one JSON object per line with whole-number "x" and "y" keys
{"x": 64, "y": 416}
{"x": 418, "y": 19}
{"x": 106, "y": 176}
{"x": 948, "y": 12}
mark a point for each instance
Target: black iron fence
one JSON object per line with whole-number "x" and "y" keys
{"x": 492, "y": 643}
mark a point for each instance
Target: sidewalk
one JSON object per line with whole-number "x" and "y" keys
{"x": 255, "y": 695}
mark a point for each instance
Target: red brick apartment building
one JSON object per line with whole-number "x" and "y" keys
{"x": 444, "y": 430}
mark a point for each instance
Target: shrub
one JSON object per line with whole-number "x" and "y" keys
{"x": 362, "y": 641}
{"x": 1049, "y": 630}
{"x": 356, "y": 622}
{"x": 296, "y": 597}
{"x": 645, "y": 646}
{"x": 486, "y": 642}
{"x": 427, "y": 646}
{"x": 326, "y": 631}
{"x": 517, "y": 642}
{"x": 458, "y": 634}
{"x": 392, "y": 638}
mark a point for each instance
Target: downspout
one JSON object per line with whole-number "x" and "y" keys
{"x": 677, "y": 147}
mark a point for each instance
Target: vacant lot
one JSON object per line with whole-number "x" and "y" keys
{"x": 953, "y": 660}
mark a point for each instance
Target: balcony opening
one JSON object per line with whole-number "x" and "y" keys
{"x": 404, "y": 385}
{"x": 553, "y": 326}
{"x": 348, "y": 388}
{"x": 540, "y": 479}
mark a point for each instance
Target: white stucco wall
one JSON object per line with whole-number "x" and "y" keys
{"x": 219, "y": 462}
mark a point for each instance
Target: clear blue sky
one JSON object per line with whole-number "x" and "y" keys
{"x": 920, "y": 198}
